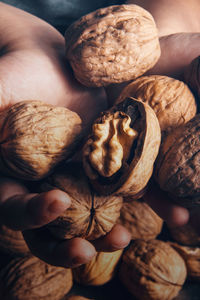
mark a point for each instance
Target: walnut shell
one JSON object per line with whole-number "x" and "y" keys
{"x": 191, "y": 76}
{"x": 12, "y": 242}
{"x": 119, "y": 154}
{"x": 112, "y": 45}
{"x": 171, "y": 99}
{"x": 178, "y": 169}
{"x": 100, "y": 270}
{"x": 35, "y": 137}
{"x": 89, "y": 216}
{"x": 152, "y": 270}
{"x": 32, "y": 279}
{"x": 191, "y": 256}
{"x": 140, "y": 220}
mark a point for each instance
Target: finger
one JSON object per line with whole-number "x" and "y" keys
{"x": 20, "y": 210}
{"x": 118, "y": 238}
{"x": 173, "y": 214}
{"x": 66, "y": 253}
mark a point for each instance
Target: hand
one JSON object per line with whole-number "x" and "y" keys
{"x": 33, "y": 67}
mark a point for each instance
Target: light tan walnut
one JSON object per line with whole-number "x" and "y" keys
{"x": 171, "y": 99}
{"x": 140, "y": 220}
{"x": 112, "y": 45}
{"x": 152, "y": 270}
{"x": 35, "y": 137}
{"x": 100, "y": 270}
{"x": 12, "y": 242}
{"x": 119, "y": 154}
{"x": 89, "y": 216}
{"x": 191, "y": 256}
{"x": 177, "y": 169}
{"x": 32, "y": 279}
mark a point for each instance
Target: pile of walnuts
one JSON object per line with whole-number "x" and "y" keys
{"x": 150, "y": 134}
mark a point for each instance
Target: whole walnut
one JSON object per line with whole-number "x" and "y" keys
{"x": 120, "y": 152}
{"x": 90, "y": 215}
{"x": 35, "y": 137}
{"x": 100, "y": 270}
{"x": 32, "y": 279}
{"x": 140, "y": 220}
{"x": 177, "y": 169}
{"x": 171, "y": 99}
{"x": 152, "y": 270}
{"x": 112, "y": 45}
{"x": 191, "y": 256}
{"x": 12, "y": 242}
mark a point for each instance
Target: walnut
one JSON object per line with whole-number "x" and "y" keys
{"x": 100, "y": 270}
{"x": 119, "y": 154}
{"x": 140, "y": 220}
{"x": 171, "y": 99}
{"x": 35, "y": 137}
{"x": 152, "y": 270}
{"x": 89, "y": 216}
{"x": 178, "y": 169}
{"x": 12, "y": 242}
{"x": 112, "y": 45}
{"x": 191, "y": 256}
{"x": 32, "y": 279}
{"x": 191, "y": 76}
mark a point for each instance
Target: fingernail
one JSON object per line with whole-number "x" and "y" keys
{"x": 60, "y": 204}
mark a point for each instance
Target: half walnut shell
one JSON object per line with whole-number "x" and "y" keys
{"x": 177, "y": 168}
{"x": 112, "y": 45}
{"x": 35, "y": 137}
{"x": 89, "y": 216}
{"x": 119, "y": 154}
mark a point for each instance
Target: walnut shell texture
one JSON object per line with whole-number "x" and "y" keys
{"x": 35, "y": 137}
{"x": 89, "y": 216}
{"x": 140, "y": 220}
{"x": 191, "y": 256}
{"x": 112, "y": 45}
{"x": 32, "y": 279}
{"x": 12, "y": 242}
{"x": 178, "y": 169}
{"x": 152, "y": 270}
{"x": 119, "y": 154}
{"x": 100, "y": 270}
{"x": 171, "y": 99}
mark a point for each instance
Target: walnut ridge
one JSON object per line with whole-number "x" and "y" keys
{"x": 112, "y": 45}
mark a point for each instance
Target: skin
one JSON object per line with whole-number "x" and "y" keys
{"x": 32, "y": 66}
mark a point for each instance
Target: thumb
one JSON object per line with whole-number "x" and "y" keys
{"x": 21, "y": 210}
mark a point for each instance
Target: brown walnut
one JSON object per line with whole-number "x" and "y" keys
{"x": 12, "y": 242}
{"x": 191, "y": 256}
{"x": 32, "y": 279}
{"x": 112, "y": 45}
{"x": 178, "y": 169}
{"x": 89, "y": 216}
{"x": 100, "y": 270}
{"x": 35, "y": 137}
{"x": 171, "y": 99}
{"x": 152, "y": 270}
{"x": 140, "y": 220}
{"x": 119, "y": 154}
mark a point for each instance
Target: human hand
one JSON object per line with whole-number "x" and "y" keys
{"x": 33, "y": 67}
